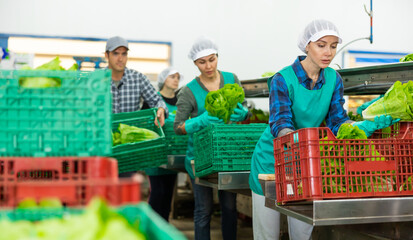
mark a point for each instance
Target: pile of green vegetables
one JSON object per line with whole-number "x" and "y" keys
{"x": 356, "y": 117}
{"x": 97, "y": 222}
{"x": 45, "y": 82}
{"x": 268, "y": 74}
{"x": 334, "y": 155}
{"x": 407, "y": 58}
{"x": 259, "y": 116}
{"x": 396, "y": 102}
{"x": 43, "y": 203}
{"x": 221, "y": 103}
{"x": 131, "y": 134}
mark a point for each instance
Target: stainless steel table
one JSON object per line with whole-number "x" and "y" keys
{"x": 175, "y": 162}
{"x": 367, "y": 218}
{"x": 229, "y": 181}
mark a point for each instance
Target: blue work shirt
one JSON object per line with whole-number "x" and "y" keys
{"x": 280, "y": 103}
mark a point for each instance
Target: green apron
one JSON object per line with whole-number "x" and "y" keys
{"x": 309, "y": 109}
{"x": 200, "y": 96}
{"x": 163, "y": 171}
{"x": 172, "y": 112}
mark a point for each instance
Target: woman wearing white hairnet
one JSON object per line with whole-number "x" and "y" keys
{"x": 162, "y": 181}
{"x": 168, "y": 83}
{"x": 191, "y": 117}
{"x": 302, "y": 95}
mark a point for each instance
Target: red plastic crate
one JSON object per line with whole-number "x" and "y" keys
{"x": 311, "y": 164}
{"x": 397, "y": 130}
{"x": 72, "y": 193}
{"x": 16, "y": 169}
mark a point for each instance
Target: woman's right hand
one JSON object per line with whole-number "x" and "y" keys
{"x": 206, "y": 119}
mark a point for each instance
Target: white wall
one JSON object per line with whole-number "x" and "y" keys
{"x": 254, "y": 36}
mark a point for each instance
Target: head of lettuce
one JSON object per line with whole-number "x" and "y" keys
{"x": 396, "y": 102}
{"x": 221, "y": 103}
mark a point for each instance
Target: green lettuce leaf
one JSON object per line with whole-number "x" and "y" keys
{"x": 407, "y": 58}
{"x": 129, "y": 134}
{"x": 45, "y": 82}
{"x": 348, "y": 131}
{"x": 268, "y": 74}
{"x": 217, "y": 105}
{"x": 396, "y": 102}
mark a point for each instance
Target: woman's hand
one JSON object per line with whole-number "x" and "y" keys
{"x": 240, "y": 113}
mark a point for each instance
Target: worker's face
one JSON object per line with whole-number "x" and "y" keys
{"x": 207, "y": 65}
{"x": 117, "y": 59}
{"x": 322, "y": 51}
{"x": 172, "y": 81}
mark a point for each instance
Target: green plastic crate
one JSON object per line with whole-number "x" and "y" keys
{"x": 225, "y": 147}
{"x": 139, "y": 155}
{"x": 70, "y": 120}
{"x": 149, "y": 223}
{"x": 176, "y": 144}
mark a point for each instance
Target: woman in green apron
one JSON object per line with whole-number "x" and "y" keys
{"x": 191, "y": 117}
{"x": 302, "y": 95}
{"x": 162, "y": 181}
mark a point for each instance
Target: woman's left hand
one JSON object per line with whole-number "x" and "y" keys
{"x": 240, "y": 113}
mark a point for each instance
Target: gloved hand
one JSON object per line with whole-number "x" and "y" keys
{"x": 379, "y": 122}
{"x": 367, "y": 104}
{"x": 197, "y": 123}
{"x": 240, "y": 113}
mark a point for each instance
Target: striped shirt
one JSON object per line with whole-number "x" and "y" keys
{"x": 134, "y": 86}
{"x": 280, "y": 104}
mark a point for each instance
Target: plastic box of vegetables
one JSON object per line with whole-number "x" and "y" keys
{"x": 312, "y": 164}
{"x": 97, "y": 221}
{"x": 69, "y": 118}
{"x": 225, "y": 147}
{"x": 176, "y": 144}
{"x": 149, "y": 152}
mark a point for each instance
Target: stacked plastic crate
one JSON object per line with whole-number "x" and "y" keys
{"x": 312, "y": 164}
{"x": 52, "y": 140}
{"x": 57, "y": 143}
{"x": 226, "y": 147}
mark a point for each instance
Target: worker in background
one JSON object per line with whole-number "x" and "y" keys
{"x": 302, "y": 95}
{"x": 162, "y": 181}
{"x": 191, "y": 117}
{"x": 128, "y": 86}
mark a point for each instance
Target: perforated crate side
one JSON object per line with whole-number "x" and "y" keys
{"x": 176, "y": 144}
{"x": 18, "y": 169}
{"x": 139, "y": 155}
{"x": 222, "y": 147}
{"x": 70, "y": 120}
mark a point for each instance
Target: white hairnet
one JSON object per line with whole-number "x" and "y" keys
{"x": 164, "y": 75}
{"x": 316, "y": 30}
{"x": 201, "y": 48}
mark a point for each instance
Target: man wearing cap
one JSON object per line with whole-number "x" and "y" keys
{"x": 128, "y": 85}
